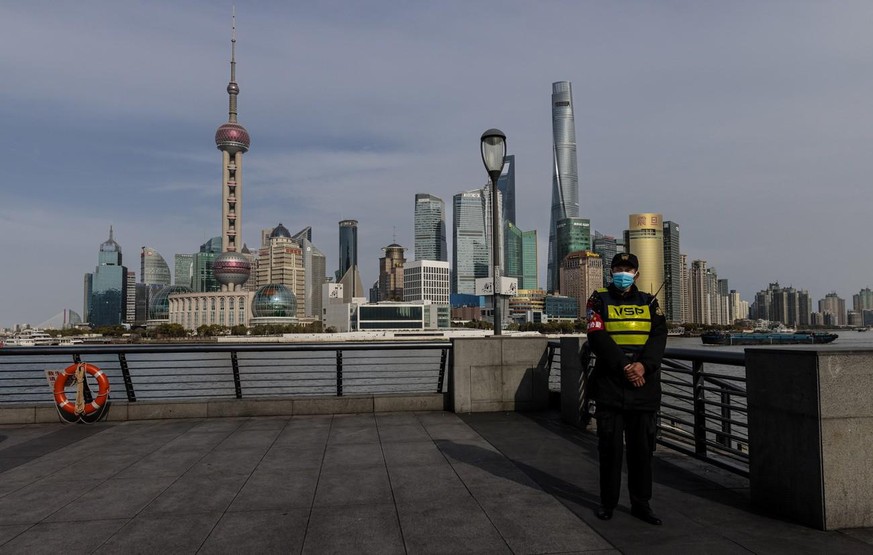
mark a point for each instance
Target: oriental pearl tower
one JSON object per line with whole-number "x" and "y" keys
{"x": 231, "y": 268}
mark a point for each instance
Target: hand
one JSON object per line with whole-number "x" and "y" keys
{"x": 634, "y": 372}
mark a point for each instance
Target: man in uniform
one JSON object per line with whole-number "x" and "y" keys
{"x": 628, "y": 333}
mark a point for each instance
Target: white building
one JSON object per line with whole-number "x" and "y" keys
{"x": 426, "y": 280}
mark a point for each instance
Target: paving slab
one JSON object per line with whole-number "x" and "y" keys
{"x": 268, "y": 490}
{"x": 61, "y": 537}
{"x": 162, "y": 533}
{"x": 353, "y": 486}
{"x": 258, "y": 532}
{"x": 354, "y": 529}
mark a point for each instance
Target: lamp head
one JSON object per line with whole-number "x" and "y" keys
{"x": 493, "y": 145}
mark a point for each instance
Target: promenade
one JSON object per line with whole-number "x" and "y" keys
{"x": 429, "y": 482}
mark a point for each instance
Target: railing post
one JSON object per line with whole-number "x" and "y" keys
{"x": 125, "y": 375}
{"x": 339, "y": 373}
{"x": 443, "y": 359}
{"x": 699, "y": 408}
{"x": 725, "y": 419}
{"x": 237, "y": 383}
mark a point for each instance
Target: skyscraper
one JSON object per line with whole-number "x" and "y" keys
{"x": 153, "y": 269}
{"x": 280, "y": 262}
{"x": 184, "y": 268}
{"x": 506, "y": 186}
{"x": 106, "y": 288}
{"x": 390, "y": 284}
{"x": 529, "y": 261}
{"x": 512, "y": 250}
{"x": 672, "y": 273}
{"x": 203, "y": 277}
{"x": 571, "y": 235}
{"x": 581, "y": 275}
{"x": 646, "y": 241}
{"x": 348, "y": 273}
{"x": 607, "y": 247}
{"x": 470, "y": 250}
{"x": 315, "y": 264}
{"x": 565, "y": 178}
{"x": 698, "y": 293}
{"x": 430, "y": 228}
{"x": 231, "y": 268}
{"x": 520, "y": 255}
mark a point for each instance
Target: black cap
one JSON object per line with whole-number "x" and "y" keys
{"x": 625, "y": 259}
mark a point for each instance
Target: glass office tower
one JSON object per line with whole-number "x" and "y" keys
{"x": 348, "y": 247}
{"x": 153, "y": 269}
{"x": 470, "y": 250}
{"x": 529, "y": 267}
{"x": 107, "y": 287}
{"x": 673, "y": 309}
{"x": 571, "y": 235}
{"x": 506, "y": 186}
{"x": 430, "y": 228}
{"x": 565, "y": 178}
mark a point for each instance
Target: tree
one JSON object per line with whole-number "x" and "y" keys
{"x": 170, "y": 330}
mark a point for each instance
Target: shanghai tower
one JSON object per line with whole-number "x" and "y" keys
{"x": 565, "y": 179}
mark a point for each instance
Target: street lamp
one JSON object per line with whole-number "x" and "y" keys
{"x": 493, "y": 145}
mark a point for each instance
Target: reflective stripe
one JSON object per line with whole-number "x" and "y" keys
{"x": 614, "y": 326}
{"x": 629, "y": 339}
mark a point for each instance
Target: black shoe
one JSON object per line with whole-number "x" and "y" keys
{"x": 646, "y": 515}
{"x": 603, "y": 513}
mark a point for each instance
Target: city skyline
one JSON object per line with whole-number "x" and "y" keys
{"x": 753, "y": 141}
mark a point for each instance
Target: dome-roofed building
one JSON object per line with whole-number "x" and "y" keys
{"x": 280, "y": 231}
{"x": 274, "y": 304}
{"x": 159, "y": 306}
{"x": 274, "y": 301}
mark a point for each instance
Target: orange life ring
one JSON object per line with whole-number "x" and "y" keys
{"x": 70, "y": 406}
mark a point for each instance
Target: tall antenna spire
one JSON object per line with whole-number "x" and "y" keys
{"x": 232, "y": 87}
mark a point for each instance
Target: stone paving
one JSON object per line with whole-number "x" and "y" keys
{"x": 429, "y": 482}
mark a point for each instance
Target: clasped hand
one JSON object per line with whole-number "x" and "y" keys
{"x": 634, "y": 373}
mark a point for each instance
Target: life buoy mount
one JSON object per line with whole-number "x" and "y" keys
{"x": 79, "y": 408}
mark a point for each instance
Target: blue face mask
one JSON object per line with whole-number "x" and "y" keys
{"x": 623, "y": 280}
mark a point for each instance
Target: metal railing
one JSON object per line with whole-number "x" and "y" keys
{"x": 217, "y": 370}
{"x": 704, "y": 412}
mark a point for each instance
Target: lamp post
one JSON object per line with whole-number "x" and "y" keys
{"x": 493, "y": 145}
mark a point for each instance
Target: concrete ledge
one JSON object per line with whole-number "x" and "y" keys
{"x": 222, "y": 408}
{"x": 155, "y": 410}
{"x": 404, "y": 403}
{"x": 333, "y": 405}
{"x": 250, "y": 407}
{"x": 18, "y": 415}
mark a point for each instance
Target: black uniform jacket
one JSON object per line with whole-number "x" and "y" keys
{"x": 608, "y": 385}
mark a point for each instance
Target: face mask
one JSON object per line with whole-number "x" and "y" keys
{"x": 623, "y": 280}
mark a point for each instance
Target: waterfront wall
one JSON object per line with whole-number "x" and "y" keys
{"x": 810, "y": 430}
{"x": 217, "y": 408}
{"x": 500, "y": 373}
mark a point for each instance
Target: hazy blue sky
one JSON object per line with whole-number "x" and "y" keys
{"x": 748, "y": 123}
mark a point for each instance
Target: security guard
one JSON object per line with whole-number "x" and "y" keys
{"x": 628, "y": 333}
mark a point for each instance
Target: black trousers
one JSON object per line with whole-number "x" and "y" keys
{"x": 615, "y": 428}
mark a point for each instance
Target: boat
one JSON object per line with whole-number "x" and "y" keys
{"x": 29, "y": 338}
{"x": 716, "y": 337}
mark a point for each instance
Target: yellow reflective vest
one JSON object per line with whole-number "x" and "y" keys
{"x": 629, "y": 323}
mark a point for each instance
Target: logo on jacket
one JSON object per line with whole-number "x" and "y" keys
{"x": 628, "y": 311}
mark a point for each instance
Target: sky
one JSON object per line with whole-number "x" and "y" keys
{"x": 748, "y": 123}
